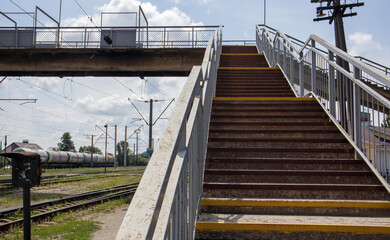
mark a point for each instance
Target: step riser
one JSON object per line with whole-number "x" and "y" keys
{"x": 312, "y": 211}
{"x": 283, "y": 166}
{"x": 286, "y": 235}
{"x": 278, "y": 154}
{"x": 273, "y": 135}
{"x": 280, "y": 193}
{"x": 239, "y": 49}
{"x": 268, "y": 119}
{"x": 278, "y": 178}
{"x": 256, "y": 95}
{"x": 290, "y": 144}
{"x": 215, "y": 127}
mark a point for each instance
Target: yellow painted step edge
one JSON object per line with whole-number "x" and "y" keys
{"x": 293, "y": 227}
{"x": 262, "y": 99}
{"x": 276, "y": 203}
{"x": 248, "y": 68}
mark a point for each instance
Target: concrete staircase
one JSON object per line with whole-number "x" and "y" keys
{"x": 277, "y": 167}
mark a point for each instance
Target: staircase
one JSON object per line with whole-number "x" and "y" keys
{"x": 278, "y": 168}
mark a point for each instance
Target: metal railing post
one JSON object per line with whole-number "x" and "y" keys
{"x": 292, "y": 72}
{"x": 301, "y": 75}
{"x": 313, "y": 68}
{"x": 284, "y": 55}
{"x": 331, "y": 86}
{"x": 277, "y": 51}
{"x": 357, "y": 109}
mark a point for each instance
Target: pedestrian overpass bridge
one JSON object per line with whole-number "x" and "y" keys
{"x": 270, "y": 141}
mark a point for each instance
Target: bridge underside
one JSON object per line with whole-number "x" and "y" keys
{"x": 99, "y": 62}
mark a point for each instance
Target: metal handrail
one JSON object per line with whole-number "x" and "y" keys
{"x": 91, "y": 37}
{"x": 167, "y": 201}
{"x": 360, "y": 112}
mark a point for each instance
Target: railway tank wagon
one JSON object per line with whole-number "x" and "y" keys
{"x": 61, "y": 159}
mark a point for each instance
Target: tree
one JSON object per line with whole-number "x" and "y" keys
{"x": 120, "y": 146}
{"x": 88, "y": 149}
{"x": 66, "y": 143}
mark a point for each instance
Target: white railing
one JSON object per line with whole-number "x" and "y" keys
{"x": 106, "y": 37}
{"x": 362, "y": 114}
{"x": 167, "y": 200}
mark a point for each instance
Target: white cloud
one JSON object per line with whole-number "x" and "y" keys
{"x": 363, "y": 44}
{"x": 169, "y": 17}
{"x": 204, "y": 1}
{"x": 51, "y": 83}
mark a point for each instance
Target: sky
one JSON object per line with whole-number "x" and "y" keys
{"x": 82, "y": 105}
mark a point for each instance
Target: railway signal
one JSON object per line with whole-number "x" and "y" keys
{"x": 26, "y": 173}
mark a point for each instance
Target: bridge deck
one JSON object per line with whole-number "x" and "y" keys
{"x": 99, "y": 62}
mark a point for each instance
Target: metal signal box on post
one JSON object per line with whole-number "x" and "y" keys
{"x": 26, "y": 169}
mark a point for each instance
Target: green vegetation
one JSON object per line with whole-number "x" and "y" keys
{"x": 130, "y": 159}
{"x": 66, "y": 143}
{"x": 77, "y": 224}
{"x": 89, "y": 148}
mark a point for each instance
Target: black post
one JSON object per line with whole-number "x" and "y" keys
{"x": 26, "y": 214}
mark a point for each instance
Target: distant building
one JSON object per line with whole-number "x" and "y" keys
{"x": 24, "y": 144}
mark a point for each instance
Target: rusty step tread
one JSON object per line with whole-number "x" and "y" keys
{"x": 301, "y": 117}
{"x": 291, "y": 186}
{"x": 284, "y": 140}
{"x": 344, "y": 149}
{"x": 252, "y": 90}
{"x": 273, "y": 131}
{"x": 286, "y": 160}
{"x": 251, "y": 109}
{"x": 246, "y": 123}
{"x": 287, "y": 172}
{"x": 256, "y": 95}
{"x": 218, "y": 103}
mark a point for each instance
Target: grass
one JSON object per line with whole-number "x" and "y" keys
{"x": 13, "y": 199}
{"x": 77, "y": 224}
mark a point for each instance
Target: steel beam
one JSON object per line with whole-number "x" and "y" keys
{"x": 99, "y": 62}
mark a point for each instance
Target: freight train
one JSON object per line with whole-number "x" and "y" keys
{"x": 52, "y": 159}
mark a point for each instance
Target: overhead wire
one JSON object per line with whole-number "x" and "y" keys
{"x": 70, "y": 99}
{"x": 131, "y": 90}
{"x": 36, "y": 19}
{"x": 75, "y": 109}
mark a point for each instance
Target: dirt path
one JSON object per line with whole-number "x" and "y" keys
{"x": 110, "y": 224}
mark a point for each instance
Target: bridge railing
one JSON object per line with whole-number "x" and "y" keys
{"x": 167, "y": 200}
{"x": 362, "y": 114}
{"x": 106, "y": 37}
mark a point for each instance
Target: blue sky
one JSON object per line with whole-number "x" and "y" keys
{"x": 78, "y": 109}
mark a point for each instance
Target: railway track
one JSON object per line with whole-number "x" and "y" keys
{"x": 6, "y": 184}
{"x": 43, "y": 210}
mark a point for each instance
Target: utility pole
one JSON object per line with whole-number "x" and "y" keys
{"x": 136, "y": 141}
{"x": 92, "y": 148}
{"x": 5, "y": 147}
{"x": 150, "y": 129}
{"x": 265, "y": 12}
{"x": 336, "y": 12}
{"x": 115, "y": 147}
{"x": 125, "y": 149}
{"x": 134, "y": 151}
{"x": 105, "y": 154}
{"x": 151, "y": 123}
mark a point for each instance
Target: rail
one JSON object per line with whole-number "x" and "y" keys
{"x": 362, "y": 114}
{"x": 106, "y": 37}
{"x": 167, "y": 201}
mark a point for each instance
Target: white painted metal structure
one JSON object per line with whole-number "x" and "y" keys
{"x": 167, "y": 200}
{"x": 311, "y": 68}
